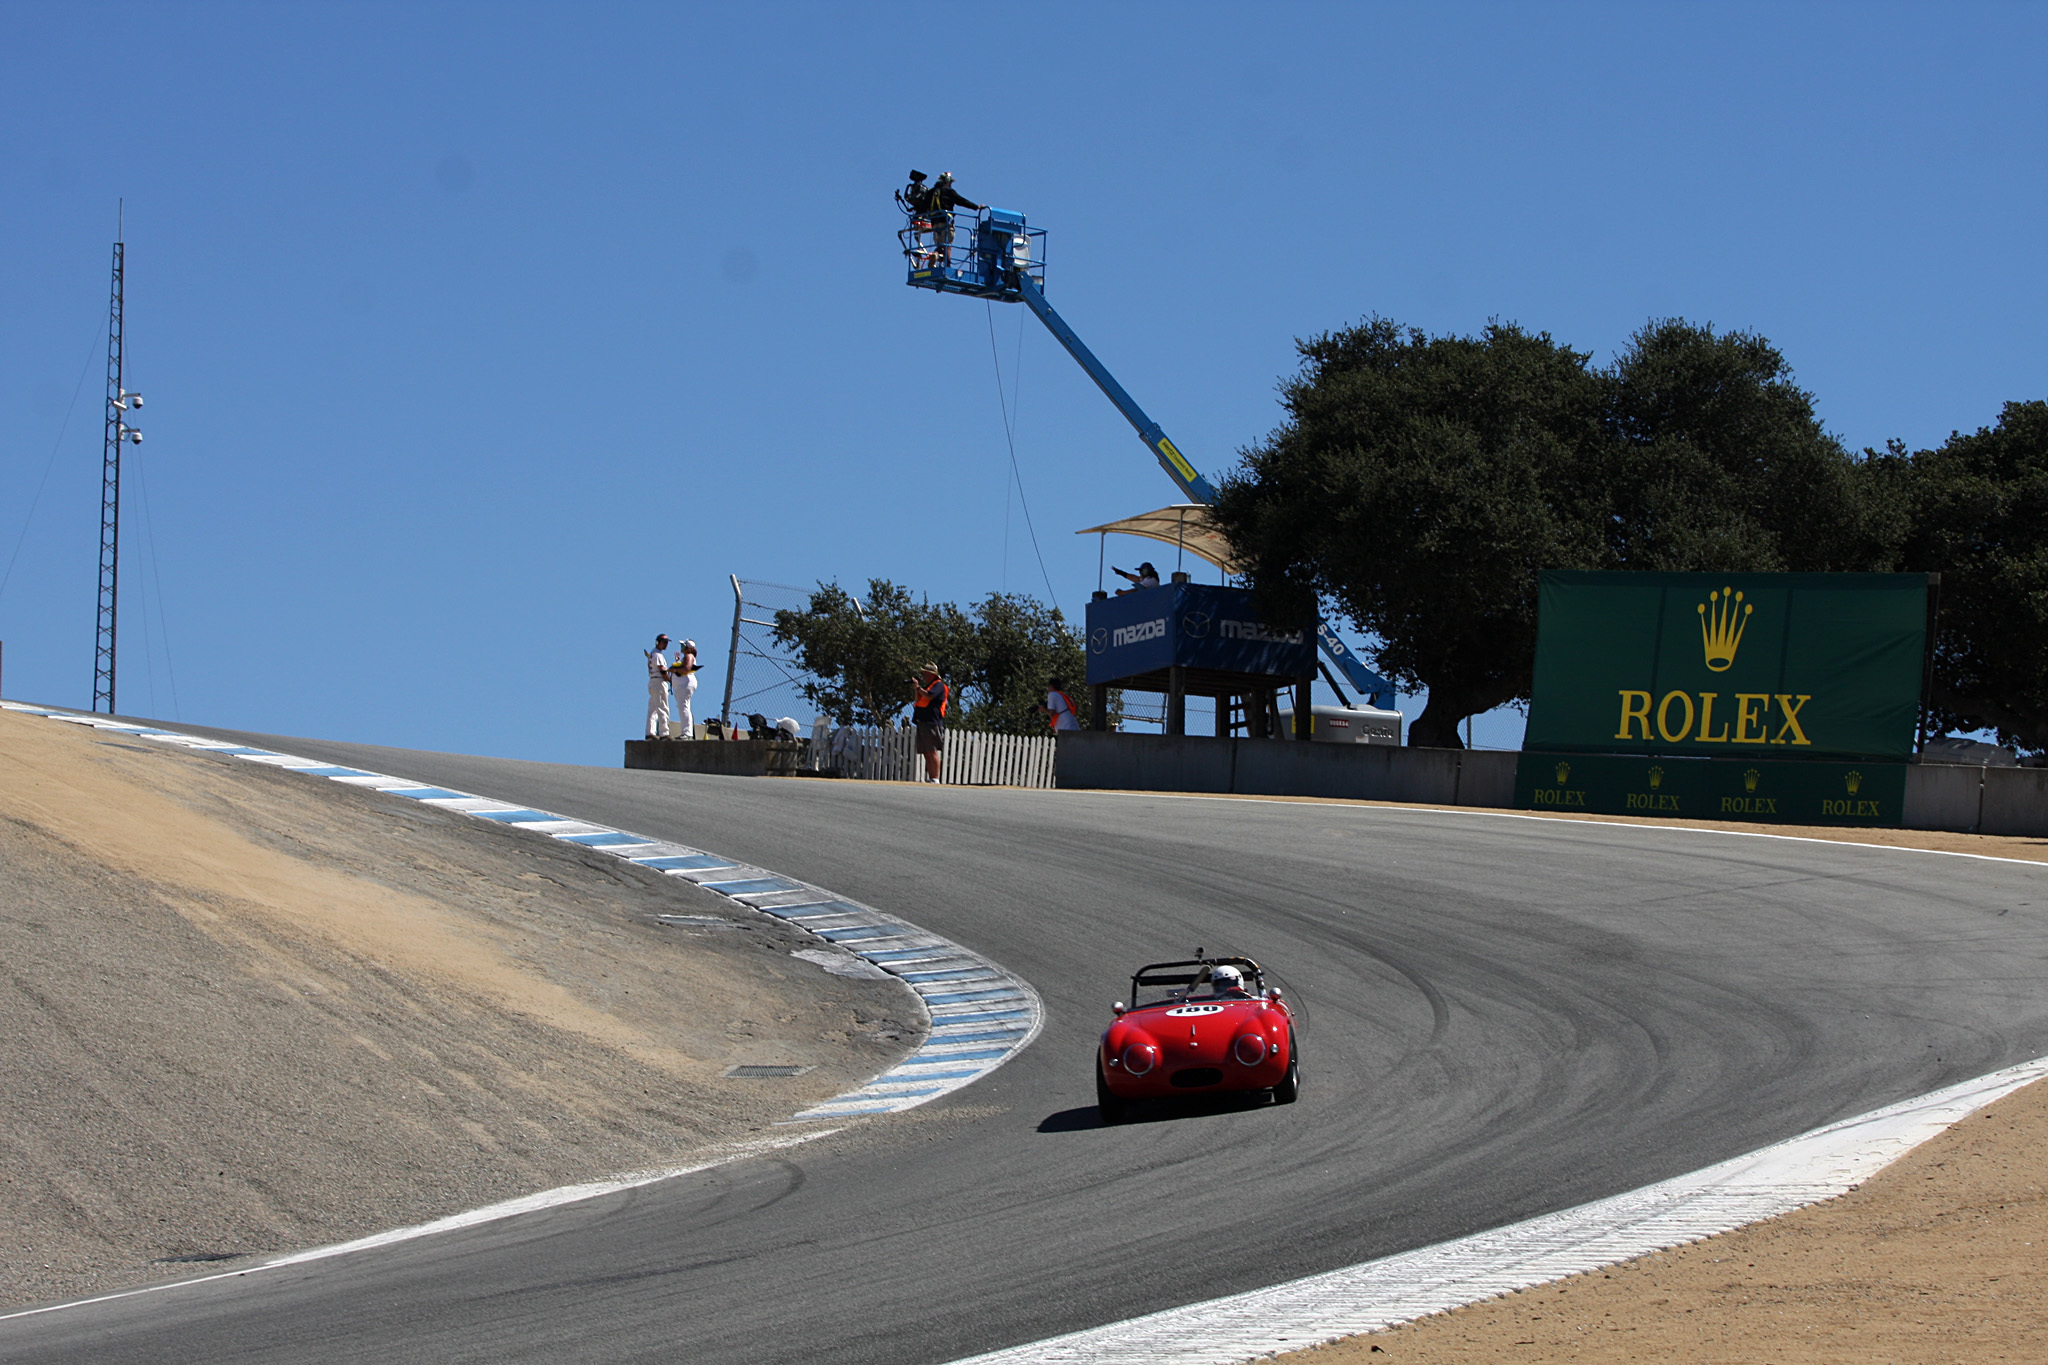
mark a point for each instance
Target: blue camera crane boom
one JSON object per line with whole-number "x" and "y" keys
{"x": 1003, "y": 259}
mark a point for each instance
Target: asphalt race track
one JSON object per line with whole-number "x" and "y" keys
{"x": 1505, "y": 1017}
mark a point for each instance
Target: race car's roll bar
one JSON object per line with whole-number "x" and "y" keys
{"x": 1204, "y": 967}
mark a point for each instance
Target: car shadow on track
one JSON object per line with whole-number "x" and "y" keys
{"x": 1155, "y": 1111}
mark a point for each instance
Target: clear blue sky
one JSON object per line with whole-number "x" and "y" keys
{"x": 480, "y": 342}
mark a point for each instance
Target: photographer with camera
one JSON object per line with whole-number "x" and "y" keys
{"x": 1145, "y": 577}
{"x": 929, "y": 716}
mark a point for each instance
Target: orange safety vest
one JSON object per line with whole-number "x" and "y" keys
{"x": 1054, "y": 719}
{"x": 925, "y": 695}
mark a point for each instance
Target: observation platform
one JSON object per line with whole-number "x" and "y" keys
{"x": 1188, "y": 639}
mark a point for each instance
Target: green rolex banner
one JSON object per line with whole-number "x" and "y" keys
{"x": 1762, "y": 791}
{"x": 1749, "y": 666}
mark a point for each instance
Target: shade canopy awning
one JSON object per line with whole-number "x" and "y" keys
{"x": 1184, "y": 524}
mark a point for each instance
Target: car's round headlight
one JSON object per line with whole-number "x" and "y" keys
{"x": 1249, "y": 1048}
{"x": 1139, "y": 1058}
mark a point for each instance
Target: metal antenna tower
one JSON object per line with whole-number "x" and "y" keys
{"x": 119, "y": 402}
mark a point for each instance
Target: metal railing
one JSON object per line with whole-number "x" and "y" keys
{"x": 972, "y": 251}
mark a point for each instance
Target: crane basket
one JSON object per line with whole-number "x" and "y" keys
{"x": 983, "y": 258}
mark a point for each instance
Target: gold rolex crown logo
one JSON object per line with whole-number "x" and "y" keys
{"x": 1853, "y": 781}
{"x": 1564, "y": 773}
{"x": 1721, "y": 627}
{"x": 1656, "y": 778}
{"x": 1750, "y": 778}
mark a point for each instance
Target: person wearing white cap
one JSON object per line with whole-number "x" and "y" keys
{"x": 685, "y": 671}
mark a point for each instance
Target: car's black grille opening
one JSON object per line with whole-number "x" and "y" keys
{"x": 1189, "y": 1077}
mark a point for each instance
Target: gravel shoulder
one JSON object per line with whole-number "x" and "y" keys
{"x": 242, "y": 1012}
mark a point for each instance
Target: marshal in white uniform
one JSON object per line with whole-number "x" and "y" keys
{"x": 658, "y": 675}
{"x": 685, "y": 672}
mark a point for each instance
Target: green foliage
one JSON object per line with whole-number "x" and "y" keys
{"x": 998, "y": 656}
{"x": 1979, "y": 512}
{"x": 1020, "y": 644}
{"x": 862, "y": 657}
{"x": 1420, "y": 484}
{"x": 1717, "y": 462}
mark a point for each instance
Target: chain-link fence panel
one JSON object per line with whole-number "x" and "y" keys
{"x": 762, "y": 677}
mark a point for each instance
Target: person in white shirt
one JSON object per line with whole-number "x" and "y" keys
{"x": 1059, "y": 708}
{"x": 658, "y": 675}
{"x": 1145, "y": 577}
{"x": 685, "y": 671}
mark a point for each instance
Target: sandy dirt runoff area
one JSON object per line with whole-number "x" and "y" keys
{"x": 1939, "y": 1257}
{"x": 243, "y": 1012}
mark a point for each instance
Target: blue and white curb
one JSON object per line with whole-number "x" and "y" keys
{"x": 979, "y": 1014}
{"x": 1294, "y": 1316}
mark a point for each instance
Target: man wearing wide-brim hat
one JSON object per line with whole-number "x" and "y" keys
{"x": 929, "y": 716}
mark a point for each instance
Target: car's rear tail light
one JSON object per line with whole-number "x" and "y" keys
{"x": 1249, "y": 1048}
{"x": 1139, "y": 1059}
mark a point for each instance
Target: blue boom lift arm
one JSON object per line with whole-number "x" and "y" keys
{"x": 1002, "y": 261}
{"x": 1171, "y": 460}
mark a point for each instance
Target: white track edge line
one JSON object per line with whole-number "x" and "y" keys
{"x": 1818, "y": 1165}
{"x": 454, "y": 1222}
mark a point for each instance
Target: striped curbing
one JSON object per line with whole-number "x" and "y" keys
{"x": 966, "y": 998}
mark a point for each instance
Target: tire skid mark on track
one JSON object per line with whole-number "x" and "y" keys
{"x": 1822, "y": 1164}
{"x": 489, "y": 1213}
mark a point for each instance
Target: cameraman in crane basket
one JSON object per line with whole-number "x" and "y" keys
{"x": 915, "y": 201}
{"x": 935, "y": 204}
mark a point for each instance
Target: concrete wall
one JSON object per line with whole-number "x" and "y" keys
{"x": 731, "y": 757}
{"x": 1944, "y": 796}
{"x": 1938, "y": 795}
{"x": 2015, "y": 801}
{"x": 1977, "y": 800}
{"x": 1486, "y": 777}
{"x": 1284, "y": 767}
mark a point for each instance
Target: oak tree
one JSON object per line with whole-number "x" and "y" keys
{"x": 999, "y": 656}
{"x": 1979, "y": 511}
{"x": 1420, "y": 484}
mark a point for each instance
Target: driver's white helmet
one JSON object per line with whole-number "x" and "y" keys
{"x": 1226, "y": 979}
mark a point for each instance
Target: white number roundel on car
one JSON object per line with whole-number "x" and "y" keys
{"x": 1196, "y": 1009}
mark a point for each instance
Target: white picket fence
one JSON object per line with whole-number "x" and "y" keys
{"x": 973, "y": 758}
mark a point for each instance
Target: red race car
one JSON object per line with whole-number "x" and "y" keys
{"x": 1203, "y": 1026}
